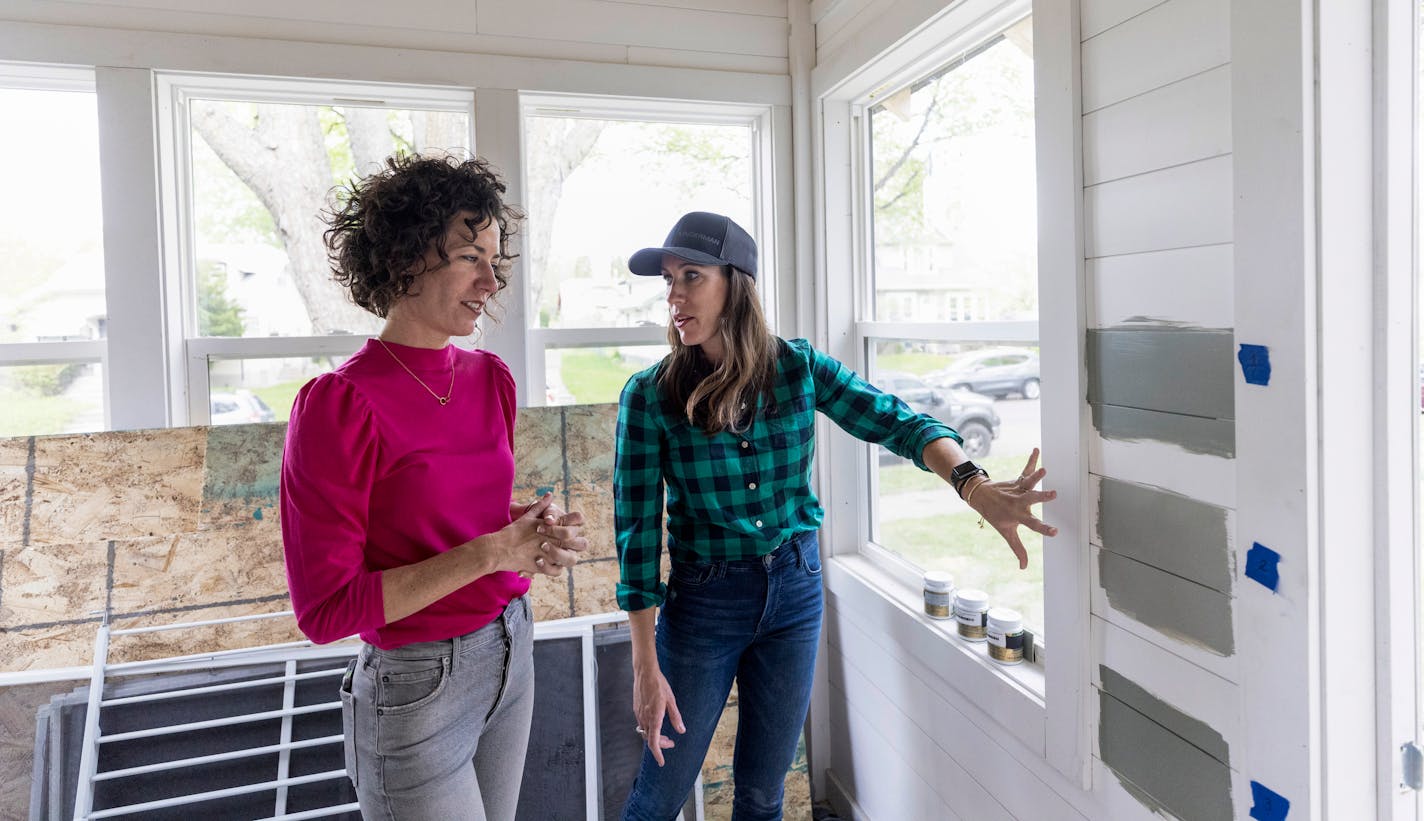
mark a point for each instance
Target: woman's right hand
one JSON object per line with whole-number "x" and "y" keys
{"x": 537, "y": 542}
{"x": 653, "y": 699}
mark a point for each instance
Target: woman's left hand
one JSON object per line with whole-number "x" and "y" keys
{"x": 564, "y": 534}
{"x": 1006, "y": 505}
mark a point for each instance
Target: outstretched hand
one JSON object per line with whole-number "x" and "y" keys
{"x": 1006, "y": 505}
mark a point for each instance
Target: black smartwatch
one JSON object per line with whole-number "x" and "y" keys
{"x": 962, "y": 473}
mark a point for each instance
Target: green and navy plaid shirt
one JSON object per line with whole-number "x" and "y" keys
{"x": 738, "y": 496}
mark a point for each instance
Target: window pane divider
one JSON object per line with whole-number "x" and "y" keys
{"x": 543, "y": 338}
{"x": 53, "y": 353}
{"x": 1021, "y": 331}
{"x": 202, "y": 349}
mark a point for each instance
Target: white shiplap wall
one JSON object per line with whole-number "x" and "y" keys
{"x": 736, "y": 35}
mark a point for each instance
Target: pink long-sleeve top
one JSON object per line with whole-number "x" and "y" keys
{"x": 378, "y": 474}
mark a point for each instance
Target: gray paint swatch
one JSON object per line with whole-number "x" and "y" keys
{"x": 1174, "y": 533}
{"x": 1173, "y": 774}
{"x": 1194, "y": 434}
{"x": 1171, "y": 604}
{"x": 1196, "y": 732}
{"x": 1172, "y": 370}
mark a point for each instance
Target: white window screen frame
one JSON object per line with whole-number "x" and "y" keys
{"x": 175, "y": 91}
{"x": 758, "y": 118}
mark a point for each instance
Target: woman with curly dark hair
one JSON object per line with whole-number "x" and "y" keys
{"x": 398, "y": 522}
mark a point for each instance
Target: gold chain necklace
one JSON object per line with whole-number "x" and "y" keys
{"x": 442, "y": 399}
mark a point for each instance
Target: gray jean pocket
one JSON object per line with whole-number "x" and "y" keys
{"x": 348, "y": 722}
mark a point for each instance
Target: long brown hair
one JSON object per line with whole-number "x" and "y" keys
{"x": 724, "y": 396}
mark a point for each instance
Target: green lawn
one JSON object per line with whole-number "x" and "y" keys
{"x": 26, "y": 415}
{"x": 279, "y": 397}
{"x": 595, "y": 377}
{"x": 950, "y": 539}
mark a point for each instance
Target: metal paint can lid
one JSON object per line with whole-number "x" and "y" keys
{"x": 939, "y": 581}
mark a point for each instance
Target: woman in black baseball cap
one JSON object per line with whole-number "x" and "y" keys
{"x": 721, "y": 434}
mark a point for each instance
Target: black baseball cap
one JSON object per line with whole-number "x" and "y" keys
{"x": 703, "y": 238}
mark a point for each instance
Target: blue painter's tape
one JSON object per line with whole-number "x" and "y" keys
{"x": 1266, "y": 805}
{"x": 1255, "y": 364}
{"x": 1263, "y": 565}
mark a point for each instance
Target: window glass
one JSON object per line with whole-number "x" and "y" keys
{"x": 260, "y": 390}
{"x": 601, "y": 189}
{"x": 955, "y": 238}
{"x": 583, "y": 376}
{"x": 44, "y": 399}
{"x": 261, "y": 176}
{"x": 51, "y": 221}
{"x": 955, "y": 203}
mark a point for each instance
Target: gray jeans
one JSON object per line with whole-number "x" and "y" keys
{"x": 438, "y": 729}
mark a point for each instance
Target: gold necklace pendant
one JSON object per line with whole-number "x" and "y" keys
{"x": 449, "y": 392}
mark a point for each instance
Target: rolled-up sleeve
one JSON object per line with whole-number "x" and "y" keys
{"x": 868, "y": 414}
{"x": 328, "y": 467}
{"x": 638, "y": 496}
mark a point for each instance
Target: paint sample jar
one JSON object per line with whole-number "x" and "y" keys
{"x": 939, "y": 594}
{"x": 1006, "y": 635}
{"x": 971, "y": 609}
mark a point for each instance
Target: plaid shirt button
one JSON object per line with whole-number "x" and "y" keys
{"x": 758, "y": 522}
{"x": 751, "y": 486}
{"x": 746, "y": 444}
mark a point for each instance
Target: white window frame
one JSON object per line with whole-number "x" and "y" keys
{"x": 1045, "y": 709}
{"x": 759, "y": 118}
{"x": 42, "y": 77}
{"x": 175, "y": 90}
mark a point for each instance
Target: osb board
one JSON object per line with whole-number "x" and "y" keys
{"x": 162, "y": 526}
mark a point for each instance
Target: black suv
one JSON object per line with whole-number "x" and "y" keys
{"x": 969, "y": 413}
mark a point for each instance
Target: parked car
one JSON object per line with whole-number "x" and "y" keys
{"x": 997, "y": 372}
{"x": 969, "y": 413}
{"x": 237, "y": 408}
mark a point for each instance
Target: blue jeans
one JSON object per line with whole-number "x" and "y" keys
{"x": 438, "y": 729}
{"x": 757, "y": 621}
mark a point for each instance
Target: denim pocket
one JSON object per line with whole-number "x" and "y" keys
{"x": 403, "y": 686}
{"x": 348, "y": 723}
{"x": 810, "y": 555}
{"x": 690, "y": 574}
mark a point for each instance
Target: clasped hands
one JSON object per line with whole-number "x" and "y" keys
{"x": 541, "y": 538}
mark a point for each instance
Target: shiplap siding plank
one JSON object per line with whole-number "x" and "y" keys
{"x": 761, "y": 8}
{"x": 1180, "y": 207}
{"x": 1169, "y": 370}
{"x": 1189, "y": 612}
{"x": 1202, "y": 694}
{"x": 1193, "y": 434}
{"x": 714, "y": 60}
{"x": 1165, "y": 44}
{"x": 432, "y": 15}
{"x": 1183, "y": 287}
{"x": 1181, "y": 777}
{"x": 1183, "y": 122}
{"x": 860, "y": 757}
{"x": 1169, "y": 531}
{"x": 1225, "y": 666}
{"x": 843, "y": 20}
{"x": 945, "y": 776}
{"x": 1118, "y": 803}
{"x": 982, "y": 756}
{"x": 1097, "y": 16}
{"x": 594, "y": 21}
{"x": 1158, "y": 464}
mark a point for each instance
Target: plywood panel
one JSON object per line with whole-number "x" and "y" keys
{"x": 1185, "y": 288}
{"x": 1097, "y": 16}
{"x": 1183, "y": 122}
{"x": 1165, "y": 44}
{"x": 1178, "y": 207}
{"x": 593, "y": 21}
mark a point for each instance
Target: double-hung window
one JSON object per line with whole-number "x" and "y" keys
{"x": 947, "y": 308}
{"x": 53, "y": 315}
{"x": 603, "y": 178}
{"x": 252, "y": 163}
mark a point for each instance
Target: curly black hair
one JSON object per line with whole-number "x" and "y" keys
{"x": 382, "y": 224}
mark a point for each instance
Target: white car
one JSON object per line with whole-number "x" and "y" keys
{"x": 238, "y": 408}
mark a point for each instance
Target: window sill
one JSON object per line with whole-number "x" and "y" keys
{"x": 999, "y": 697}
